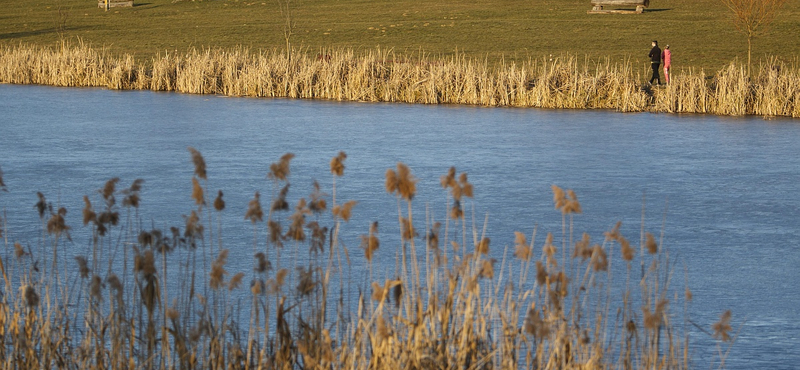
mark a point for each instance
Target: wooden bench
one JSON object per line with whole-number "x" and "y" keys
{"x": 114, "y": 3}
{"x": 598, "y": 6}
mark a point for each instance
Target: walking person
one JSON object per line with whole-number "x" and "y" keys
{"x": 655, "y": 62}
{"x": 666, "y": 55}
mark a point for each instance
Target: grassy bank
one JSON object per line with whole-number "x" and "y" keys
{"x": 131, "y": 296}
{"x": 699, "y": 31}
{"x": 386, "y": 76}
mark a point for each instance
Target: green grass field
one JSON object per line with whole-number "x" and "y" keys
{"x": 699, "y": 31}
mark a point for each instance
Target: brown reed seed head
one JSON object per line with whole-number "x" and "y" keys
{"x": 345, "y": 210}
{"x": 318, "y": 236}
{"x": 31, "y": 297}
{"x": 337, "y": 164}
{"x": 57, "y": 225}
{"x": 236, "y": 281}
{"x": 83, "y": 266}
{"x": 109, "y": 188}
{"x": 41, "y": 205}
{"x": 559, "y": 199}
{"x": 599, "y": 258}
{"x": 254, "y": 212}
{"x": 487, "y": 268}
{"x": 275, "y": 233}
{"x": 522, "y": 250}
{"x": 650, "y": 243}
{"x": 614, "y": 233}
{"x": 541, "y": 273}
{"x": 483, "y": 246}
{"x": 132, "y": 194}
{"x": 145, "y": 263}
{"x": 96, "y": 288}
{"x": 280, "y": 277}
{"x": 401, "y": 182}
{"x": 549, "y": 249}
{"x": 572, "y": 205}
{"x": 722, "y": 328}
{"x": 280, "y": 204}
{"x": 296, "y": 231}
{"x": 173, "y": 314}
{"x": 2, "y": 184}
{"x": 262, "y": 264}
{"x": 219, "y": 204}
{"x": 194, "y": 229}
{"x": 433, "y": 236}
{"x": 197, "y": 192}
{"x": 318, "y": 203}
{"x": 378, "y": 293}
{"x": 306, "y": 284}
{"x": 199, "y": 163}
{"x": 384, "y": 330}
{"x": 408, "y": 229}
{"x": 280, "y": 169}
{"x": 258, "y": 287}
{"x": 448, "y": 180}
{"x": 114, "y": 282}
{"x": 218, "y": 271}
{"x": 370, "y": 242}
{"x": 653, "y": 320}
{"x": 627, "y": 251}
{"x": 581, "y": 247}
{"x": 19, "y": 252}
{"x": 535, "y": 325}
{"x": 688, "y": 294}
{"x": 456, "y": 213}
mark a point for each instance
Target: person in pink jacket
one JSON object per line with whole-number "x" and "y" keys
{"x": 666, "y": 55}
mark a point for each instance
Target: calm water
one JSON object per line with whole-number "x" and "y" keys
{"x": 730, "y": 187}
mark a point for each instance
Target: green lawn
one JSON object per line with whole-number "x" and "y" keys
{"x": 699, "y": 31}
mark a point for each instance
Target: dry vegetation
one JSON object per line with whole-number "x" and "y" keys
{"x": 383, "y": 76}
{"x": 147, "y": 298}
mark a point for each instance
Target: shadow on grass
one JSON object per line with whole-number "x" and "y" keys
{"x": 43, "y": 31}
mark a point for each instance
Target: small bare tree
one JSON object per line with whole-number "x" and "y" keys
{"x": 753, "y": 17}
{"x": 288, "y": 25}
{"x": 61, "y": 17}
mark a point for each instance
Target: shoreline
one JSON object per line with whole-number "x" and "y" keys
{"x": 384, "y": 76}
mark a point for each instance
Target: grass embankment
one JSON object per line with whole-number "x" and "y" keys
{"x": 699, "y": 31}
{"x": 381, "y": 76}
{"x": 134, "y": 297}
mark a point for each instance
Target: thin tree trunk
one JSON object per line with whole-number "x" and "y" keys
{"x": 749, "y": 50}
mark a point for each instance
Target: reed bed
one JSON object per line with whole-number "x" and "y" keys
{"x": 134, "y": 297}
{"x": 384, "y": 76}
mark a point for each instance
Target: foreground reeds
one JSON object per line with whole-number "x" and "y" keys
{"x": 135, "y": 297}
{"x": 383, "y": 76}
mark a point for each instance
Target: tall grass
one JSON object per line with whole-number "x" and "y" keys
{"x": 384, "y": 76}
{"x": 137, "y": 297}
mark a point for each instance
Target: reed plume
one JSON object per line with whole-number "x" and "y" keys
{"x": 254, "y": 212}
{"x": 219, "y": 204}
{"x": 370, "y": 242}
{"x": 722, "y": 328}
{"x": 280, "y": 170}
{"x": 2, "y": 184}
{"x": 337, "y": 164}
{"x": 199, "y": 163}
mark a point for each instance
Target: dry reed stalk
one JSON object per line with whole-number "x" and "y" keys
{"x": 382, "y": 75}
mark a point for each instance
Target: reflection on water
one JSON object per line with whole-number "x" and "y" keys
{"x": 723, "y": 189}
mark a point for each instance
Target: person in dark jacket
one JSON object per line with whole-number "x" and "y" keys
{"x": 655, "y": 62}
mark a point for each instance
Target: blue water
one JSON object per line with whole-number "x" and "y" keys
{"x": 724, "y": 189}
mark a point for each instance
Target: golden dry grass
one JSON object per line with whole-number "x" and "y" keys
{"x": 450, "y": 306}
{"x": 383, "y": 76}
